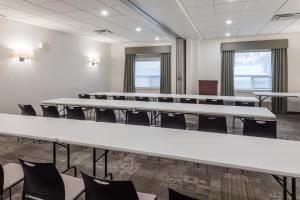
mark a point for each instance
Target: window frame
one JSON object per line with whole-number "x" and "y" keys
{"x": 252, "y": 76}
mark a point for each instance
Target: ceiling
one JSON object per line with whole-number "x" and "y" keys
{"x": 248, "y": 17}
{"x": 82, "y": 17}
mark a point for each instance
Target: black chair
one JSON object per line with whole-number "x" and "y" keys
{"x": 186, "y": 100}
{"x": 248, "y": 104}
{"x": 142, "y": 98}
{"x": 172, "y": 120}
{"x": 100, "y": 97}
{"x": 96, "y": 189}
{"x": 10, "y": 175}
{"x": 259, "y": 128}
{"x": 165, "y": 99}
{"x": 123, "y": 98}
{"x": 75, "y": 113}
{"x": 50, "y": 111}
{"x": 215, "y": 101}
{"x": 27, "y": 110}
{"x": 173, "y": 195}
{"x": 84, "y": 96}
{"x": 105, "y": 115}
{"x": 43, "y": 181}
{"x": 138, "y": 118}
{"x": 212, "y": 124}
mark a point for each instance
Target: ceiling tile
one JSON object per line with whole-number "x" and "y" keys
{"x": 59, "y": 6}
{"x": 36, "y": 10}
{"x": 291, "y": 6}
{"x": 110, "y": 2}
{"x": 231, "y": 7}
{"x": 201, "y": 10}
{"x": 111, "y": 12}
{"x": 13, "y": 13}
{"x": 205, "y": 17}
{"x": 118, "y": 19}
{"x": 194, "y": 3}
{"x": 85, "y": 4}
{"x": 40, "y": 1}
{"x": 14, "y": 3}
{"x": 80, "y": 15}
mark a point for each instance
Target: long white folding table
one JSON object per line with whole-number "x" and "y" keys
{"x": 179, "y": 96}
{"x": 270, "y": 156}
{"x": 264, "y": 95}
{"x": 236, "y": 111}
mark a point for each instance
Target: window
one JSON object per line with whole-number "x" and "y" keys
{"x": 147, "y": 72}
{"x": 253, "y": 71}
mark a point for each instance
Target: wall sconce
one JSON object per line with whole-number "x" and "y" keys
{"x": 94, "y": 60}
{"x": 23, "y": 54}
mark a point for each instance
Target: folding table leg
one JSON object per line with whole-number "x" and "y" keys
{"x": 95, "y": 159}
{"x": 284, "y": 188}
{"x": 69, "y": 167}
{"x": 294, "y": 193}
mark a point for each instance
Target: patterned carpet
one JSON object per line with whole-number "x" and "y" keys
{"x": 154, "y": 176}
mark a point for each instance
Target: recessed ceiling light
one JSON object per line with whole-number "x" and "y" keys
{"x": 229, "y": 22}
{"x": 104, "y": 13}
{"x": 227, "y": 34}
{"x": 156, "y": 38}
{"x": 138, "y": 29}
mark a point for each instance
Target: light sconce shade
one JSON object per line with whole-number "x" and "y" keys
{"x": 23, "y": 54}
{"x": 94, "y": 60}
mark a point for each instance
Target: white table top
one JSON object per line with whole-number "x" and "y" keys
{"x": 272, "y": 156}
{"x": 277, "y": 94}
{"x": 178, "y": 96}
{"x": 238, "y": 111}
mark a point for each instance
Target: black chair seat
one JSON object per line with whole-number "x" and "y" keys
{"x": 105, "y": 115}
{"x": 165, "y": 99}
{"x": 50, "y": 111}
{"x": 186, "y": 100}
{"x": 142, "y": 98}
{"x": 96, "y": 189}
{"x": 215, "y": 101}
{"x": 123, "y": 98}
{"x": 247, "y": 104}
{"x": 75, "y": 113}
{"x": 212, "y": 124}
{"x": 84, "y": 96}
{"x": 27, "y": 109}
{"x": 173, "y": 120}
{"x": 260, "y": 128}
{"x": 138, "y": 118}
{"x": 100, "y": 97}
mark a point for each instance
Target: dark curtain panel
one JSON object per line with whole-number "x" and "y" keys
{"x": 165, "y": 73}
{"x": 181, "y": 66}
{"x": 279, "y": 79}
{"x": 129, "y": 75}
{"x": 227, "y": 79}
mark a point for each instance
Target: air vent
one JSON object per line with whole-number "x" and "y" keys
{"x": 103, "y": 31}
{"x": 287, "y": 16}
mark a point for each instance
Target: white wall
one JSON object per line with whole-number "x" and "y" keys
{"x": 118, "y": 63}
{"x": 62, "y": 71}
{"x": 210, "y": 62}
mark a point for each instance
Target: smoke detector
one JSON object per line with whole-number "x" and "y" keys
{"x": 103, "y": 31}
{"x": 286, "y": 16}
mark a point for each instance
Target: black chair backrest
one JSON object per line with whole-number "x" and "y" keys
{"x": 105, "y": 115}
{"x": 75, "y": 113}
{"x": 27, "y": 110}
{"x": 119, "y": 98}
{"x": 1, "y": 179}
{"x": 215, "y": 101}
{"x": 142, "y": 99}
{"x": 84, "y": 96}
{"x": 96, "y": 189}
{"x": 173, "y": 120}
{"x": 138, "y": 118}
{"x": 165, "y": 99}
{"x": 173, "y": 195}
{"x": 185, "y": 100}
{"x": 259, "y": 128}
{"x": 249, "y": 104}
{"x": 50, "y": 111}
{"x": 212, "y": 124}
{"x": 100, "y": 97}
{"x": 42, "y": 181}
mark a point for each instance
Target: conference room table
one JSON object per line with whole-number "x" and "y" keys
{"x": 265, "y": 155}
{"x": 264, "y": 95}
{"x": 179, "y": 96}
{"x": 234, "y": 111}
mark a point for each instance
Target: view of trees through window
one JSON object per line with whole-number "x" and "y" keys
{"x": 253, "y": 70}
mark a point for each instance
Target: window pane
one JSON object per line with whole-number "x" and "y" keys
{"x": 252, "y": 70}
{"x": 147, "y": 72}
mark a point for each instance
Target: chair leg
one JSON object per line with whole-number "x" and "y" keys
{"x": 10, "y": 194}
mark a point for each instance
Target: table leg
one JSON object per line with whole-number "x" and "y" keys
{"x": 294, "y": 193}
{"x": 95, "y": 159}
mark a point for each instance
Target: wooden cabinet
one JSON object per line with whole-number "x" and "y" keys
{"x": 208, "y": 87}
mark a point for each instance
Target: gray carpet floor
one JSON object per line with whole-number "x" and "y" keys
{"x": 154, "y": 176}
